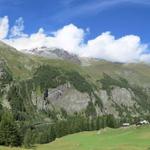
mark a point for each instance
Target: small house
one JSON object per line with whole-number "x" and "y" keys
{"x": 126, "y": 124}
{"x": 143, "y": 122}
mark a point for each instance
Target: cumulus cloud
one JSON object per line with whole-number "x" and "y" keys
{"x": 69, "y": 38}
{"x": 145, "y": 58}
{"x": 17, "y": 29}
{"x": 4, "y": 27}
{"x": 128, "y": 48}
{"x": 125, "y": 49}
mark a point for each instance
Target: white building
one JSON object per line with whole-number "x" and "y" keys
{"x": 144, "y": 122}
{"x": 126, "y": 124}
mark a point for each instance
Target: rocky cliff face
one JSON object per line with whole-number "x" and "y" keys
{"x": 83, "y": 89}
{"x": 64, "y": 96}
{"x": 119, "y": 102}
{"x": 54, "y": 89}
{"x": 5, "y": 80}
{"x": 1, "y": 72}
{"x": 120, "y": 99}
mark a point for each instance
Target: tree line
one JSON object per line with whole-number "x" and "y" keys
{"x": 15, "y": 133}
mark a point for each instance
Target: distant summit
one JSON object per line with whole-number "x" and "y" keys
{"x": 53, "y": 53}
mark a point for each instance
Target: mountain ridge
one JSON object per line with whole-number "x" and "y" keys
{"x": 77, "y": 85}
{"x": 53, "y": 53}
{"x": 63, "y": 97}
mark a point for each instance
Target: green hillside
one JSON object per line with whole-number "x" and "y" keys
{"x": 138, "y": 73}
{"x": 23, "y": 66}
{"x": 133, "y": 138}
{"x": 107, "y": 139}
{"x": 44, "y": 99}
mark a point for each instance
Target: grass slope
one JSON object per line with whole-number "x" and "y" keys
{"x": 23, "y": 65}
{"x": 136, "y": 73}
{"x": 108, "y": 139}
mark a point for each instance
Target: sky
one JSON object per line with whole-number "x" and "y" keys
{"x": 115, "y": 30}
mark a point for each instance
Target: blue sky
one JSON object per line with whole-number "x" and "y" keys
{"x": 120, "y": 17}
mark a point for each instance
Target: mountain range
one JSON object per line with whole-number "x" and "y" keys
{"x": 53, "y": 81}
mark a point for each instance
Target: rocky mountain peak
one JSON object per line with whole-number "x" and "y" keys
{"x": 53, "y": 53}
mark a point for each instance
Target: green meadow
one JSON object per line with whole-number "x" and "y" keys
{"x": 133, "y": 138}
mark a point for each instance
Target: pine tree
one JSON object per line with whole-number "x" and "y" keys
{"x": 27, "y": 142}
{"x": 9, "y": 133}
{"x": 111, "y": 122}
{"x": 52, "y": 134}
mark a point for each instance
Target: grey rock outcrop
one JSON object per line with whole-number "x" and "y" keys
{"x": 54, "y": 53}
{"x": 64, "y": 96}
{"x": 68, "y": 98}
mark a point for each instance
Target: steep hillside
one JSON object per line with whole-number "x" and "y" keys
{"x": 18, "y": 63}
{"x": 38, "y": 90}
{"x": 110, "y": 88}
{"x": 23, "y": 65}
{"x": 138, "y": 73}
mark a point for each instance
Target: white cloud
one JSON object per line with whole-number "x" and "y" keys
{"x": 69, "y": 37}
{"x": 145, "y": 58}
{"x": 4, "y": 27}
{"x": 124, "y": 49}
{"x": 17, "y": 29}
{"x": 128, "y": 48}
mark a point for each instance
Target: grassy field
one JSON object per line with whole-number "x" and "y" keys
{"x": 108, "y": 139}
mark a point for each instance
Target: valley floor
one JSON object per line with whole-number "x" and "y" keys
{"x": 132, "y": 138}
